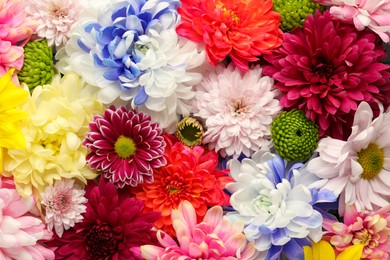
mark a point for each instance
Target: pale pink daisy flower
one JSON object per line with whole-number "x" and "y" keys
{"x": 55, "y": 18}
{"x": 21, "y": 232}
{"x": 64, "y": 204}
{"x": 213, "y": 238}
{"x": 237, "y": 109}
{"x": 373, "y": 14}
{"x": 358, "y": 169}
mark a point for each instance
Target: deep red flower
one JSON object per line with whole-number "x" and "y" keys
{"x": 125, "y": 145}
{"x": 190, "y": 174}
{"x": 241, "y": 29}
{"x": 326, "y": 69}
{"x": 114, "y": 227}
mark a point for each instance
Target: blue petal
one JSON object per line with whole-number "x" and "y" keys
{"x": 290, "y": 172}
{"x": 293, "y": 250}
{"x": 83, "y": 46}
{"x": 120, "y": 12}
{"x": 278, "y": 167}
{"x": 112, "y": 63}
{"x": 141, "y": 97}
{"x": 133, "y": 23}
{"x": 326, "y": 196}
{"x": 118, "y": 32}
{"x": 160, "y": 9}
{"x": 135, "y": 71}
{"x": 97, "y": 61}
{"x": 112, "y": 45}
{"x": 88, "y": 28}
{"x": 274, "y": 252}
{"x": 145, "y": 18}
{"x": 105, "y": 35}
{"x": 128, "y": 74}
{"x": 278, "y": 234}
{"x": 113, "y": 74}
{"x": 105, "y": 52}
{"x": 134, "y": 6}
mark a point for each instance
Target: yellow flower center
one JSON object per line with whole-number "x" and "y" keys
{"x": 53, "y": 144}
{"x": 190, "y": 132}
{"x": 371, "y": 159}
{"x": 173, "y": 190}
{"x": 362, "y": 237}
{"x": 233, "y": 15}
{"x": 125, "y": 147}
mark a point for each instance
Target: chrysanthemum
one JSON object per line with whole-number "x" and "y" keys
{"x": 358, "y": 168}
{"x": 125, "y": 145}
{"x": 15, "y": 31}
{"x": 190, "y": 174}
{"x": 22, "y": 233}
{"x": 369, "y": 229}
{"x": 237, "y": 108}
{"x": 322, "y": 250}
{"x": 55, "y": 18}
{"x": 59, "y": 117}
{"x": 11, "y": 97}
{"x": 275, "y": 202}
{"x": 190, "y": 131}
{"x": 113, "y": 227}
{"x": 64, "y": 203}
{"x": 373, "y": 14}
{"x": 328, "y": 75}
{"x": 131, "y": 51}
{"x": 213, "y": 238}
{"x": 242, "y": 30}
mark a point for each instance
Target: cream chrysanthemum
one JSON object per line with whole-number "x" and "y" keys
{"x": 60, "y": 114}
{"x": 55, "y": 18}
{"x": 238, "y": 109}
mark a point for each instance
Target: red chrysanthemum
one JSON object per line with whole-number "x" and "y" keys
{"x": 190, "y": 174}
{"x": 125, "y": 145}
{"x": 326, "y": 69}
{"x": 114, "y": 227}
{"x": 241, "y": 29}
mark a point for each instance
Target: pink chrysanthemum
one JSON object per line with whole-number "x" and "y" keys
{"x": 328, "y": 74}
{"x": 64, "y": 204}
{"x": 373, "y": 14}
{"x": 55, "y": 18}
{"x": 213, "y": 238}
{"x": 125, "y": 145}
{"x": 113, "y": 227}
{"x": 241, "y": 29}
{"x": 15, "y": 32}
{"x": 370, "y": 229}
{"x": 21, "y": 233}
{"x": 190, "y": 174}
{"x": 238, "y": 109}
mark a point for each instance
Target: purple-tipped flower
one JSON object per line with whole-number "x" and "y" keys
{"x": 125, "y": 145}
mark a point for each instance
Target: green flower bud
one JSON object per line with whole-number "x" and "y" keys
{"x": 38, "y": 66}
{"x": 294, "y": 12}
{"x": 294, "y": 135}
{"x": 190, "y": 131}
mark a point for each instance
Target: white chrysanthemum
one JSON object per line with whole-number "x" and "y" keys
{"x": 59, "y": 118}
{"x": 64, "y": 204}
{"x": 275, "y": 202}
{"x": 146, "y": 67}
{"x": 358, "y": 169}
{"x": 54, "y": 17}
{"x": 238, "y": 109}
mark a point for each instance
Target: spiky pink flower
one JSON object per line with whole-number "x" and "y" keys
{"x": 64, "y": 203}
{"x": 213, "y": 238}
{"x": 328, "y": 74}
{"x": 125, "y": 145}
{"x": 370, "y": 229}
{"x": 373, "y": 14}
{"x": 15, "y": 31}
{"x": 21, "y": 232}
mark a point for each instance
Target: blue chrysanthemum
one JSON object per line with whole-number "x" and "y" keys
{"x": 131, "y": 51}
{"x": 276, "y": 201}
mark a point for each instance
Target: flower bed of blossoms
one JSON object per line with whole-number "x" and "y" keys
{"x": 194, "y": 129}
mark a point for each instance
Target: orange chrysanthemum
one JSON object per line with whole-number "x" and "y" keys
{"x": 243, "y": 29}
{"x": 191, "y": 175}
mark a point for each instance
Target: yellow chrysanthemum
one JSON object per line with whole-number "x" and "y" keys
{"x": 324, "y": 251}
{"x": 59, "y": 117}
{"x": 10, "y": 97}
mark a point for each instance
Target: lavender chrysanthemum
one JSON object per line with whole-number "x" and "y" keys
{"x": 125, "y": 145}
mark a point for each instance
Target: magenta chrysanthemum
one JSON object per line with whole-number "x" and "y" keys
{"x": 328, "y": 74}
{"x": 125, "y": 145}
{"x": 114, "y": 227}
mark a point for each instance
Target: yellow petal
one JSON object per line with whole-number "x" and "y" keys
{"x": 319, "y": 251}
{"x": 351, "y": 253}
{"x": 308, "y": 253}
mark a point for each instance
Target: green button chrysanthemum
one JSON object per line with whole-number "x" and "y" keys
{"x": 190, "y": 131}
{"x": 294, "y": 12}
{"x": 294, "y": 135}
{"x": 38, "y": 67}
